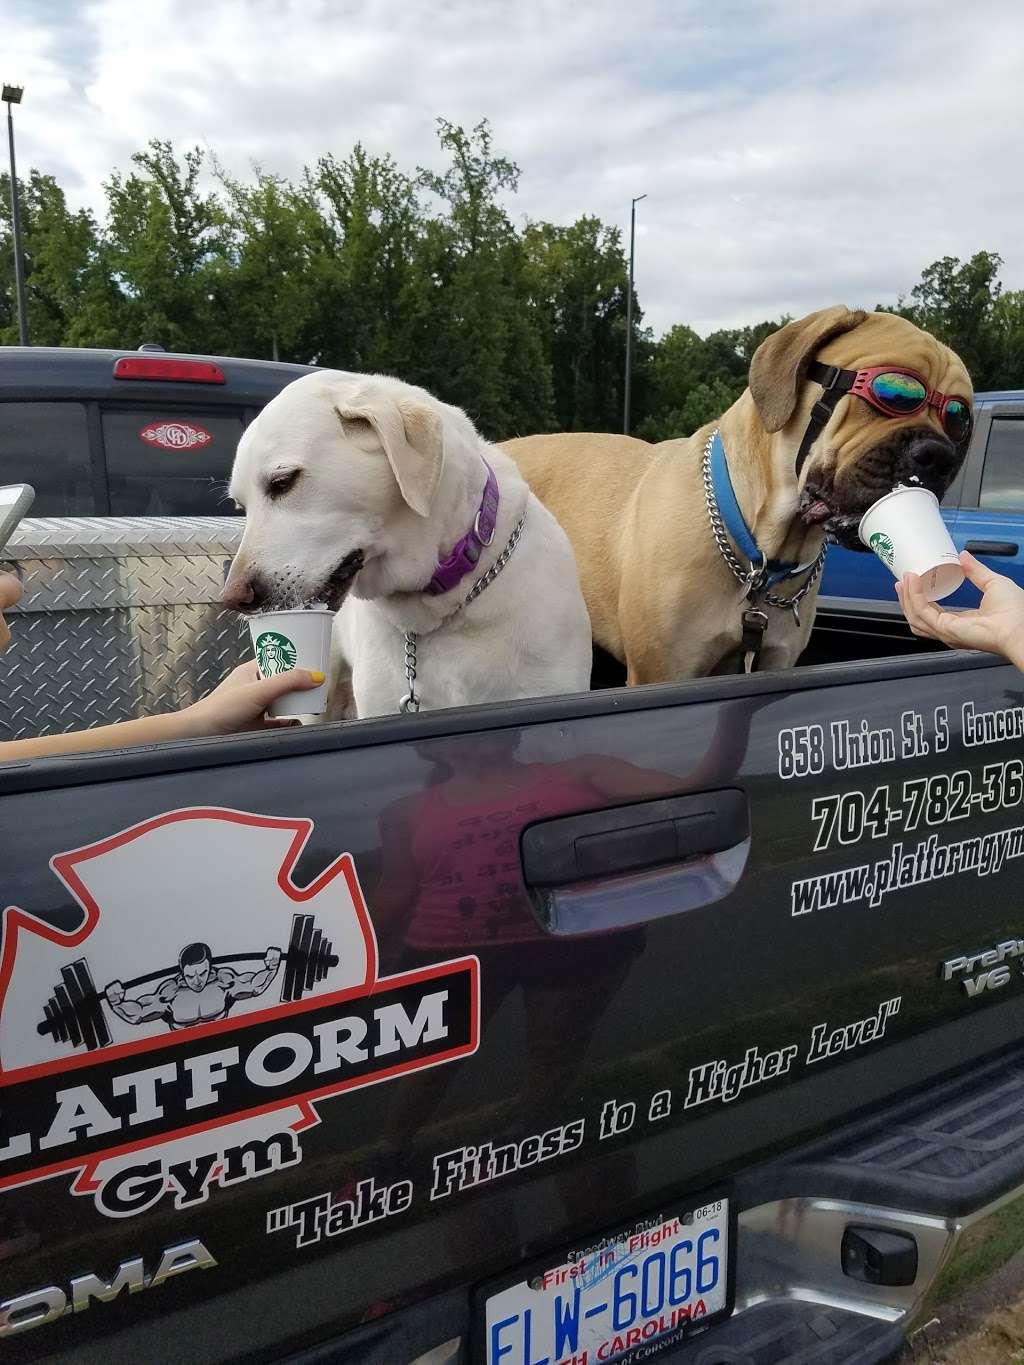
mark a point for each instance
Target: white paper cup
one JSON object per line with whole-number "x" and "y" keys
{"x": 906, "y": 531}
{"x": 283, "y": 640}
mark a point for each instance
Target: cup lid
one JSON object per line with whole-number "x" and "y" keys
{"x": 893, "y": 493}
{"x": 289, "y": 611}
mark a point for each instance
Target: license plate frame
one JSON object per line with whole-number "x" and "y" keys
{"x": 589, "y": 1250}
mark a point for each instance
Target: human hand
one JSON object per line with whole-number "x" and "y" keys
{"x": 114, "y": 993}
{"x": 272, "y": 959}
{"x": 10, "y": 593}
{"x": 996, "y": 625}
{"x": 241, "y": 702}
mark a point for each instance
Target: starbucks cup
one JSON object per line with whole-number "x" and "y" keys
{"x": 283, "y": 640}
{"x": 906, "y": 531}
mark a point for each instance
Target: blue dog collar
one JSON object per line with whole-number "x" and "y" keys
{"x": 773, "y": 570}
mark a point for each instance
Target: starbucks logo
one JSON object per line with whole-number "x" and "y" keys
{"x": 274, "y": 654}
{"x": 883, "y": 547}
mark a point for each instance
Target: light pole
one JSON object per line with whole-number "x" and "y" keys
{"x": 629, "y": 317}
{"x": 12, "y": 95}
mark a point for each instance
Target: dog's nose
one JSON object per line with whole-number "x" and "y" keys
{"x": 932, "y": 458}
{"x": 244, "y": 593}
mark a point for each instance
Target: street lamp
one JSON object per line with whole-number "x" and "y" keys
{"x": 12, "y": 95}
{"x": 629, "y": 316}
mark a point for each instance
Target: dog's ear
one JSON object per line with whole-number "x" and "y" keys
{"x": 412, "y": 435}
{"x": 779, "y": 366}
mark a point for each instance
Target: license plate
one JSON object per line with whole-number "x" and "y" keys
{"x": 623, "y": 1297}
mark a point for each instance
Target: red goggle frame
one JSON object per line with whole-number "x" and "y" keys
{"x": 956, "y": 424}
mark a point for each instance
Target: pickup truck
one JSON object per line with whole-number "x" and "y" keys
{"x": 675, "y": 1022}
{"x": 983, "y": 509}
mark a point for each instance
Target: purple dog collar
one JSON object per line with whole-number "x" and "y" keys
{"x": 451, "y": 571}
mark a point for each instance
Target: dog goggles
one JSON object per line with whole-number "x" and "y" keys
{"x": 890, "y": 390}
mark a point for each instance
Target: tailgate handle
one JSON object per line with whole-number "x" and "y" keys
{"x": 634, "y": 838}
{"x": 992, "y": 547}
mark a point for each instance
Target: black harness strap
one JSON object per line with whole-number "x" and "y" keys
{"x": 836, "y": 383}
{"x": 755, "y": 623}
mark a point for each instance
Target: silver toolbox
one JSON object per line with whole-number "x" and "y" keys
{"x": 120, "y": 618}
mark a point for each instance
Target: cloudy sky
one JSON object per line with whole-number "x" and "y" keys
{"x": 795, "y": 153}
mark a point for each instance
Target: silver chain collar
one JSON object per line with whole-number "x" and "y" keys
{"x": 410, "y": 703}
{"x": 752, "y": 578}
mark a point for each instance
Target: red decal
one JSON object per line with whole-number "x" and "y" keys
{"x": 176, "y": 435}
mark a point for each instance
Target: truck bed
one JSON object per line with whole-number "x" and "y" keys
{"x": 739, "y": 954}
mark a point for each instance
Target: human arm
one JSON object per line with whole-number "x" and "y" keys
{"x": 244, "y": 985}
{"x": 239, "y": 703}
{"x": 142, "y": 1009}
{"x": 996, "y": 625}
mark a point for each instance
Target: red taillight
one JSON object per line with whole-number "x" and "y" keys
{"x": 154, "y": 367}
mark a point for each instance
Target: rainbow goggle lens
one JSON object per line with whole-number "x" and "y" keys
{"x": 902, "y": 393}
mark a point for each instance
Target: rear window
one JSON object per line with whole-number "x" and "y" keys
{"x": 170, "y": 463}
{"x": 47, "y": 445}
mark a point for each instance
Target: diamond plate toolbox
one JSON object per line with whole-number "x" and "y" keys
{"x": 120, "y": 618}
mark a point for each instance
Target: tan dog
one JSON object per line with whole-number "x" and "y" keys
{"x": 661, "y": 596}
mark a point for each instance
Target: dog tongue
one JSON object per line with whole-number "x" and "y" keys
{"x": 816, "y": 511}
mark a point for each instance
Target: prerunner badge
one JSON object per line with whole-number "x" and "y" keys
{"x": 883, "y": 548}
{"x": 275, "y": 654}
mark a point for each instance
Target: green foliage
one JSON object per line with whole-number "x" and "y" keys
{"x": 485, "y": 350}
{"x": 705, "y": 401}
{"x": 62, "y": 269}
{"x": 161, "y": 248}
{"x": 577, "y": 281}
{"x": 957, "y": 302}
{"x": 362, "y": 299}
{"x": 363, "y": 266}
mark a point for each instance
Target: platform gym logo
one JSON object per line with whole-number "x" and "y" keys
{"x": 184, "y": 1032}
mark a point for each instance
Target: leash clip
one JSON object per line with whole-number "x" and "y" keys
{"x": 757, "y": 578}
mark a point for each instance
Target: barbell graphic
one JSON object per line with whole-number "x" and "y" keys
{"x": 74, "y": 1012}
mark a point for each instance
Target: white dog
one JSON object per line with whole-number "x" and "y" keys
{"x": 364, "y": 487}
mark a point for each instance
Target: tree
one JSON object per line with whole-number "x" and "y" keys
{"x": 370, "y": 226}
{"x": 479, "y": 339}
{"x": 694, "y": 379}
{"x": 956, "y": 301}
{"x": 707, "y": 400}
{"x": 60, "y": 252}
{"x": 577, "y": 280}
{"x": 261, "y": 278}
{"x": 677, "y": 367}
{"x": 363, "y": 266}
{"x": 1007, "y": 358}
{"x": 161, "y": 238}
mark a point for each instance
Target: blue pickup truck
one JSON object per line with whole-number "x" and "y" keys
{"x": 984, "y": 510}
